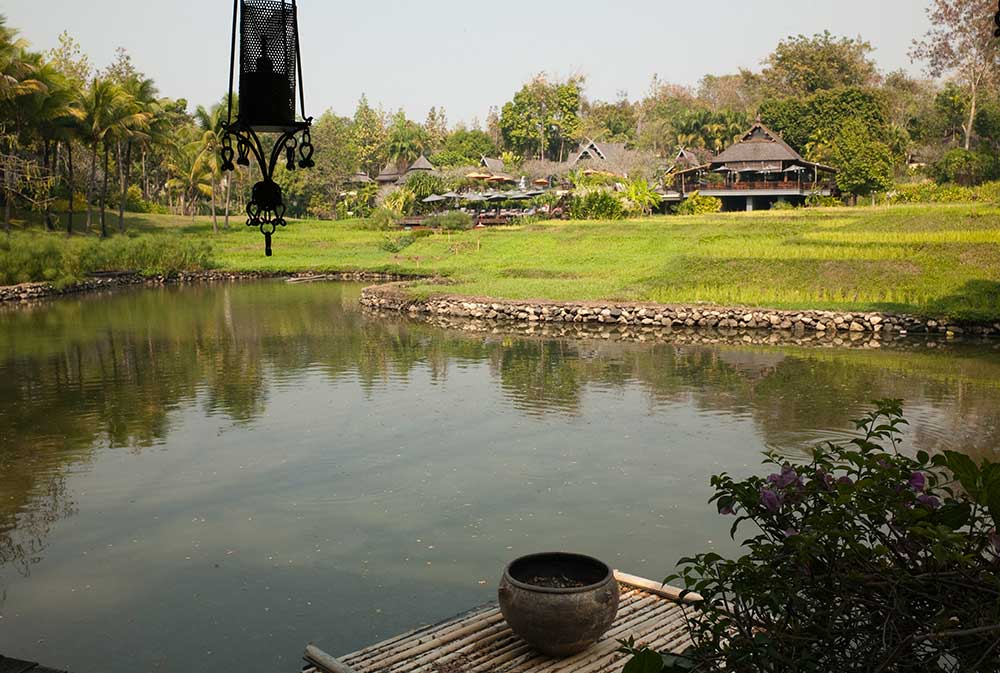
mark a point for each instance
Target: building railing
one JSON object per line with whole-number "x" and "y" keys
{"x": 783, "y": 185}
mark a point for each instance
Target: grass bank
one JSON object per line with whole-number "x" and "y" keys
{"x": 940, "y": 259}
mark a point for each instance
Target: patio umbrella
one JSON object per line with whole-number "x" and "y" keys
{"x": 435, "y": 198}
{"x": 724, "y": 169}
{"x": 359, "y": 179}
{"x": 472, "y": 197}
{"x": 479, "y": 175}
{"x": 541, "y": 182}
{"x": 451, "y": 195}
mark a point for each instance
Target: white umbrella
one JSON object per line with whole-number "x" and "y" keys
{"x": 434, "y": 198}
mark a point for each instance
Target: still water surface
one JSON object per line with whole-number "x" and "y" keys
{"x": 193, "y": 478}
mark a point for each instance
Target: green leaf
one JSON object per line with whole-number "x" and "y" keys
{"x": 646, "y": 661}
{"x": 954, "y": 515}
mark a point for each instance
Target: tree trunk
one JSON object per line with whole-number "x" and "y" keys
{"x": 92, "y": 187}
{"x": 973, "y": 95}
{"x": 215, "y": 216}
{"x": 6, "y": 197}
{"x": 125, "y": 180}
{"x": 72, "y": 188}
{"x": 145, "y": 180}
{"x": 46, "y": 164}
{"x": 104, "y": 192}
{"x": 229, "y": 185}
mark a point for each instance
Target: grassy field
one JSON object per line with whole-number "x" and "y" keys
{"x": 937, "y": 259}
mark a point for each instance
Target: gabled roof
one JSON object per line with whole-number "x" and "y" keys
{"x": 493, "y": 165}
{"x": 598, "y": 152}
{"x": 686, "y": 159}
{"x": 758, "y": 144}
{"x": 421, "y": 164}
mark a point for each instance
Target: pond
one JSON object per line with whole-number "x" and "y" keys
{"x": 216, "y": 475}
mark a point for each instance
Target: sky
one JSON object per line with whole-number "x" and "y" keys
{"x": 462, "y": 55}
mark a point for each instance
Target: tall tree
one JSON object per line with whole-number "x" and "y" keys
{"x": 142, "y": 97}
{"x": 801, "y": 66}
{"x": 369, "y": 136}
{"x": 961, "y": 41}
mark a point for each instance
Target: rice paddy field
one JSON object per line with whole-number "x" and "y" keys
{"x": 937, "y": 259}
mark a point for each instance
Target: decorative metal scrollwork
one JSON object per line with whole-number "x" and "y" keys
{"x": 269, "y": 59}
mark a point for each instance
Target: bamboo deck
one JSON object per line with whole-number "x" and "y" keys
{"x": 480, "y": 641}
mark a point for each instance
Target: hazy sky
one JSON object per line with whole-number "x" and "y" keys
{"x": 466, "y": 55}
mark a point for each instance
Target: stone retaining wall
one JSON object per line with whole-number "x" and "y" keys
{"x": 28, "y": 292}
{"x": 393, "y": 297}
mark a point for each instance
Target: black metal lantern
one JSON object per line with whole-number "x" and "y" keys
{"x": 270, "y": 63}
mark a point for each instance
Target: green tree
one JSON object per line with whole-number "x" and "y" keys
{"x": 369, "y": 137}
{"x": 961, "y": 41}
{"x": 864, "y": 162}
{"x": 802, "y": 66}
{"x": 542, "y": 117}
{"x": 407, "y": 140}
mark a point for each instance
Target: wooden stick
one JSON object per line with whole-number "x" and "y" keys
{"x": 658, "y": 588}
{"x": 321, "y": 659}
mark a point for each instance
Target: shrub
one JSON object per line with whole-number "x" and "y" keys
{"x": 382, "y": 219}
{"x": 640, "y": 197}
{"x": 395, "y": 244}
{"x": 861, "y": 559}
{"x": 989, "y": 192}
{"x": 596, "y": 204}
{"x": 959, "y": 165}
{"x": 400, "y": 200}
{"x": 453, "y": 221}
{"x": 696, "y": 204}
{"x": 39, "y": 257}
{"x": 929, "y": 192}
{"x": 820, "y": 201}
{"x": 782, "y": 205}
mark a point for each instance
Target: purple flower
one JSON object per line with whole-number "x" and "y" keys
{"x": 771, "y": 500}
{"x": 928, "y": 501}
{"x": 726, "y": 509}
{"x": 918, "y": 481}
{"x": 787, "y": 477}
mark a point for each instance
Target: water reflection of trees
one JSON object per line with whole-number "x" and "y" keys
{"x": 108, "y": 371}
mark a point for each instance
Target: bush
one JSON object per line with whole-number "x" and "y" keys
{"x": 696, "y": 204}
{"x": 596, "y": 204}
{"x": 453, "y": 221}
{"x": 382, "y": 219}
{"x": 395, "y": 244}
{"x": 861, "y": 559}
{"x": 960, "y": 166}
{"x": 820, "y": 201}
{"x": 782, "y": 205}
{"x": 929, "y": 192}
{"x": 38, "y": 257}
{"x": 400, "y": 200}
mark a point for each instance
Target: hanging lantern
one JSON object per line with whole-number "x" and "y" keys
{"x": 270, "y": 63}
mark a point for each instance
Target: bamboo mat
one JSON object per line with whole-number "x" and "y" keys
{"x": 479, "y": 641}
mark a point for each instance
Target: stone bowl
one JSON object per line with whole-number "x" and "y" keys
{"x": 559, "y": 603}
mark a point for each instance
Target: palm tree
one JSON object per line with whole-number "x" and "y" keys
{"x": 107, "y": 109}
{"x": 191, "y": 176}
{"x": 143, "y": 99}
{"x": 407, "y": 142}
{"x": 54, "y": 115}
{"x": 17, "y": 79}
{"x": 210, "y": 121}
{"x": 16, "y": 70}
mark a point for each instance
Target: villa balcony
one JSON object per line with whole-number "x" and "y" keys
{"x": 767, "y": 188}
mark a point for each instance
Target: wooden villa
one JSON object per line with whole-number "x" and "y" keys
{"x": 755, "y": 173}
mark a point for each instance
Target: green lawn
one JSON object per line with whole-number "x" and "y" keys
{"x": 938, "y": 259}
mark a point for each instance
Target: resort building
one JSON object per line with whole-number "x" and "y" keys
{"x": 755, "y": 173}
{"x": 598, "y": 153}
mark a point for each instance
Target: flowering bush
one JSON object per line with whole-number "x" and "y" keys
{"x": 863, "y": 559}
{"x": 696, "y": 204}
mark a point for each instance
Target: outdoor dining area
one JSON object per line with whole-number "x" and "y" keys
{"x": 489, "y": 206}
